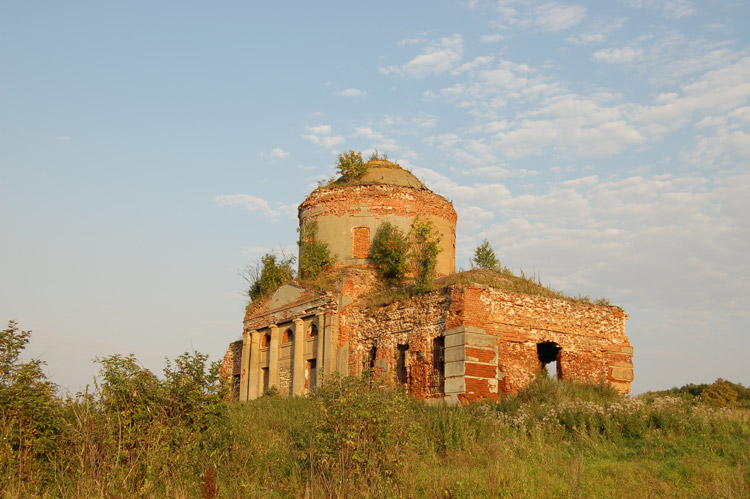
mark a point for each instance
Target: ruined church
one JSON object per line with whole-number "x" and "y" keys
{"x": 475, "y": 336}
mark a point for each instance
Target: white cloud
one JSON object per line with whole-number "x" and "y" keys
{"x": 719, "y": 90}
{"x": 597, "y": 32}
{"x": 254, "y": 204}
{"x": 618, "y": 55}
{"x": 279, "y": 153}
{"x": 476, "y": 63}
{"x": 670, "y": 9}
{"x": 319, "y": 129}
{"x": 425, "y": 121}
{"x": 555, "y": 16}
{"x": 352, "y": 92}
{"x": 490, "y": 38}
{"x": 326, "y": 142}
{"x": 437, "y": 57}
{"x": 367, "y": 133}
{"x": 320, "y": 135}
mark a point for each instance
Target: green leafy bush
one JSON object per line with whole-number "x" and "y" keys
{"x": 30, "y": 412}
{"x": 389, "y": 252}
{"x": 721, "y": 393}
{"x": 363, "y": 434}
{"x": 314, "y": 255}
{"x": 350, "y": 164}
{"x": 268, "y": 275}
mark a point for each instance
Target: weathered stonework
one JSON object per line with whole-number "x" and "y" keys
{"x": 459, "y": 343}
{"x": 384, "y": 193}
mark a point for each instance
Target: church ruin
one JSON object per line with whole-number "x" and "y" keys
{"x": 471, "y": 338}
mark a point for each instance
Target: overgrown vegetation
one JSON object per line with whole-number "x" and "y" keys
{"x": 350, "y": 165}
{"x": 720, "y": 393}
{"x": 140, "y": 436}
{"x": 424, "y": 248}
{"x": 268, "y": 274}
{"x": 389, "y": 252}
{"x": 314, "y": 255}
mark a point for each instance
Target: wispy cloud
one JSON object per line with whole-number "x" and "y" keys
{"x": 352, "y": 92}
{"x": 670, "y": 9}
{"x": 490, "y": 38}
{"x": 556, "y": 16}
{"x": 320, "y": 135}
{"x": 617, "y": 55}
{"x": 597, "y": 32}
{"x": 279, "y": 153}
{"x": 254, "y": 204}
{"x": 438, "y": 56}
{"x": 319, "y": 129}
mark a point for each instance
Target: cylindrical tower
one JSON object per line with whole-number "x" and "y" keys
{"x": 348, "y": 213}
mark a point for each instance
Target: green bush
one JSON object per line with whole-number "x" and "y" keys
{"x": 423, "y": 251}
{"x": 314, "y": 255}
{"x": 30, "y": 412}
{"x": 722, "y": 394}
{"x": 363, "y": 435}
{"x": 389, "y": 253}
{"x": 350, "y": 165}
{"x": 268, "y": 275}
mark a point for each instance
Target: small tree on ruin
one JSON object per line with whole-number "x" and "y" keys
{"x": 350, "y": 164}
{"x": 389, "y": 252}
{"x": 424, "y": 248}
{"x": 484, "y": 257}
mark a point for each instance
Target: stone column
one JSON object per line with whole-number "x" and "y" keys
{"x": 298, "y": 362}
{"x": 255, "y": 375}
{"x": 273, "y": 358}
{"x": 320, "y": 322}
{"x": 245, "y": 364}
{"x": 328, "y": 346}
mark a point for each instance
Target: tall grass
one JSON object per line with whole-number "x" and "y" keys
{"x": 139, "y": 436}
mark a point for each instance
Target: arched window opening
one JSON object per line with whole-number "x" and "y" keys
{"x": 288, "y": 337}
{"x": 549, "y": 358}
{"x": 312, "y": 331}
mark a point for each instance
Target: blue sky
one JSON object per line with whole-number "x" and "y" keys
{"x": 148, "y": 150}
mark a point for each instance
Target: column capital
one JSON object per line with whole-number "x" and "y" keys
{"x": 298, "y": 320}
{"x": 246, "y": 336}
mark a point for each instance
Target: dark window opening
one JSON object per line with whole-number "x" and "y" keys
{"x": 549, "y": 358}
{"x": 311, "y": 375}
{"x": 437, "y": 369}
{"x": 368, "y": 364}
{"x": 266, "y": 341}
{"x": 402, "y": 371}
{"x": 265, "y": 379}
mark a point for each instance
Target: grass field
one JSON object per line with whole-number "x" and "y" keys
{"x": 137, "y": 435}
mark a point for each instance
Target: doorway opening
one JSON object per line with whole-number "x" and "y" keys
{"x": 549, "y": 353}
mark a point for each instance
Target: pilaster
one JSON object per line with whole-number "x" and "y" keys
{"x": 298, "y": 362}
{"x": 255, "y": 375}
{"x": 273, "y": 358}
{"x": 245, "y": 365}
